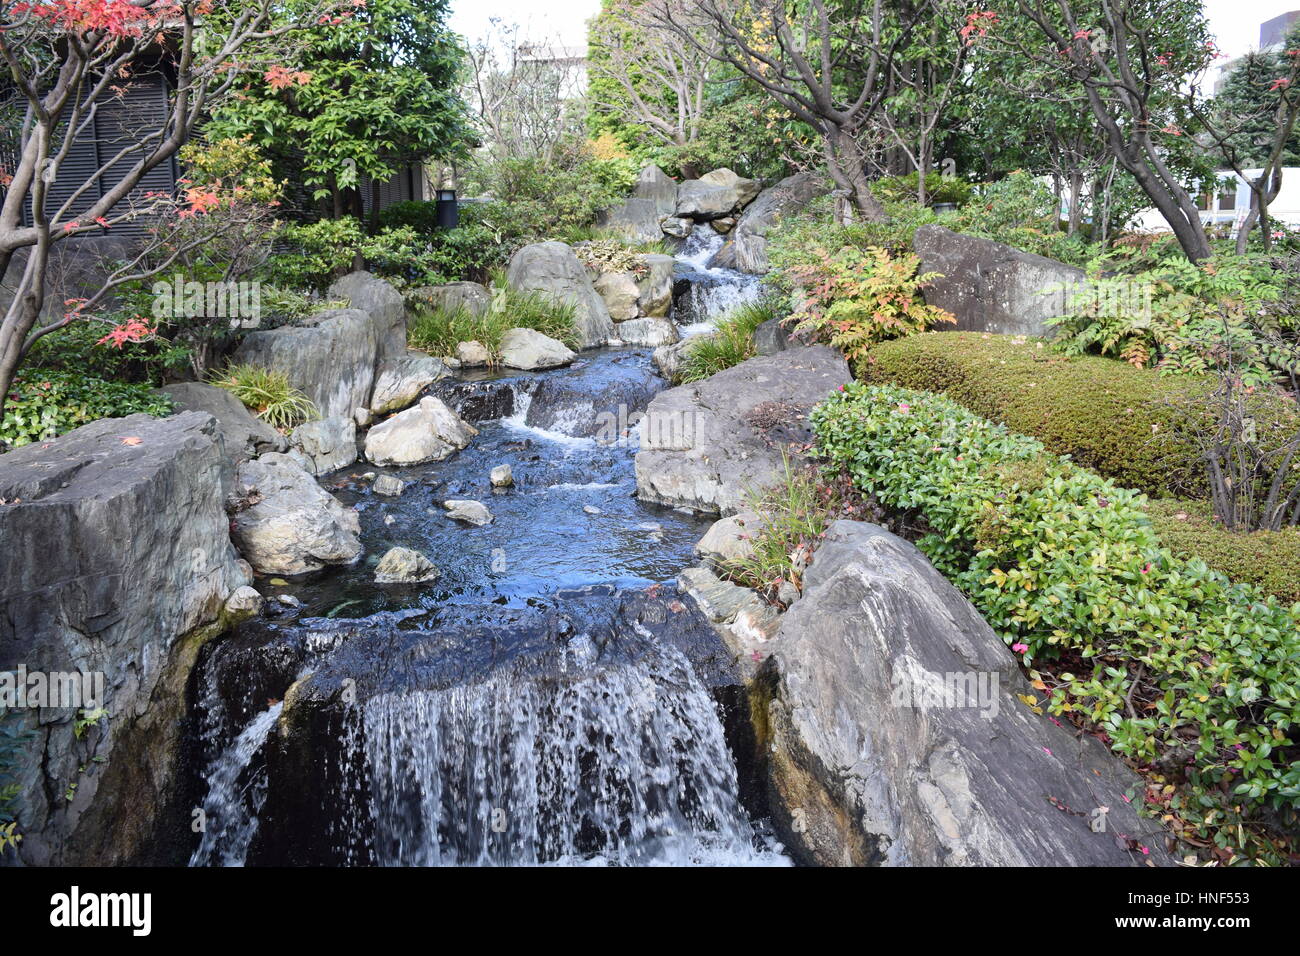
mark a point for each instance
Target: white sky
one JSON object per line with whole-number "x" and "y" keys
{"x": 541, "y": 19}
{"x": 1235, "y": 22}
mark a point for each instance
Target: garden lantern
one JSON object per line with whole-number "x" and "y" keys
{"x": 448, "y": 211}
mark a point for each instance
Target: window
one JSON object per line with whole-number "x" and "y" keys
{"x": 1228, "y": 200}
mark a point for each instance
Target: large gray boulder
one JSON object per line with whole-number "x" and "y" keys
{"x": 636, "y": 220}
{"x": 474, "y": 297}
{"x": 748, "y": 243}
{"x": 400, "y": 381}
{"x": 428, "y": 432}
{"x": 331, "y": 358}
{"x": 700, "y": 201}
{"x": 646, "y": 332}
{"x": 245, "y": 435}
{"x": 285, "y": 523}
{"x": 898, "y": 736}
{"x": 705, "y": 445}
{"x": 670, "y": 359}
{"x": 655, "y": 291}
{"x": 654, "y": 184}
{"x": 715, "y": 195}
{"x": 116, "y": 560}
{"x": 620, "y": 294}
{"x": 551, "y": 267}
{"x": 745, "y": 190}
{"x": 382, "y": 302}
{"x": 325, "y": 445}
{"x": 529, "y": 349}
{"x": 992, "y": 287}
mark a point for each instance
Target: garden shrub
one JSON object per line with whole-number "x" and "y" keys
{"x": 538, "y": 197}
{"x": 938, "y": 188}
{"x": 854, "y": 298}
{"x": 46, "y": 403}
{"x": 317, "y": 253}
{"x": 1175, "y": 663}
{"x": 468, "y": 252}
{"x": 1176, "y": 315}
{"x": 1020, "y": 211}
{"x": 1105, "y": 414}
{"x": 1268, "y": 559}
{"x": 731, "y": 343}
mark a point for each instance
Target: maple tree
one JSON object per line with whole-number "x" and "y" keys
{"x": 64, "y": 61}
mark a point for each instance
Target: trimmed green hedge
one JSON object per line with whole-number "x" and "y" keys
{"x": 1176, "y": 663}
{"x": 1268, "y": 559}
{"x": 1103, "y": 413}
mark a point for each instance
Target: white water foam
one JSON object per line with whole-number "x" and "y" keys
{"x": 715, "y": 291}
{"x": 230, "y": 809}
{"x": 624, "y": 766}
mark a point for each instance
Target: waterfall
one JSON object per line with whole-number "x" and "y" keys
{"x": 234, "y": 796}
{"x": 626, "y": 766}
{"x": 710, "y": 292}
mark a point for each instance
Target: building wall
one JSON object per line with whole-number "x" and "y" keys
{"x": 1229, "y": 206}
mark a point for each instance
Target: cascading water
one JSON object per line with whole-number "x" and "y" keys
{"x": 236, "y": 791}
{"x": 707, "y": 293}
{"x": 543, "y": 702}
{"x": 627, "y": 766}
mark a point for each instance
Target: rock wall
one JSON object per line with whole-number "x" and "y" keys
{"x": 117, "y": 560}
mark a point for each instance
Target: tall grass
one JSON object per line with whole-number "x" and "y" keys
{"x": 267, "y": 393}
{"x": 732, "y": 343}
{"x": 438, "y": 330}
{"x": 793, "y": 516}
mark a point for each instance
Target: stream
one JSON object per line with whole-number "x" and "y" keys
{"x": 549, "y": 700}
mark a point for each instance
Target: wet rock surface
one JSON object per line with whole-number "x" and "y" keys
{"x": 116, "y": 559}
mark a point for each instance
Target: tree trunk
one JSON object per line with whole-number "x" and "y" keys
{"x": 847, "y": 166}
{"x": 21, "y": 316}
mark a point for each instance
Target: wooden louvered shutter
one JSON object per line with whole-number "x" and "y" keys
{"x": 73, "y": 171}
{"x": 122, "y": 121}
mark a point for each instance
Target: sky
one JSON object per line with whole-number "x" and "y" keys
{"x": 1235, "y": 22}
{"x": 541, "y": 19}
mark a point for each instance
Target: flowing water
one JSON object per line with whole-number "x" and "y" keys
{"x": 707, "y": 293}
{"x": 549, "y": 699}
